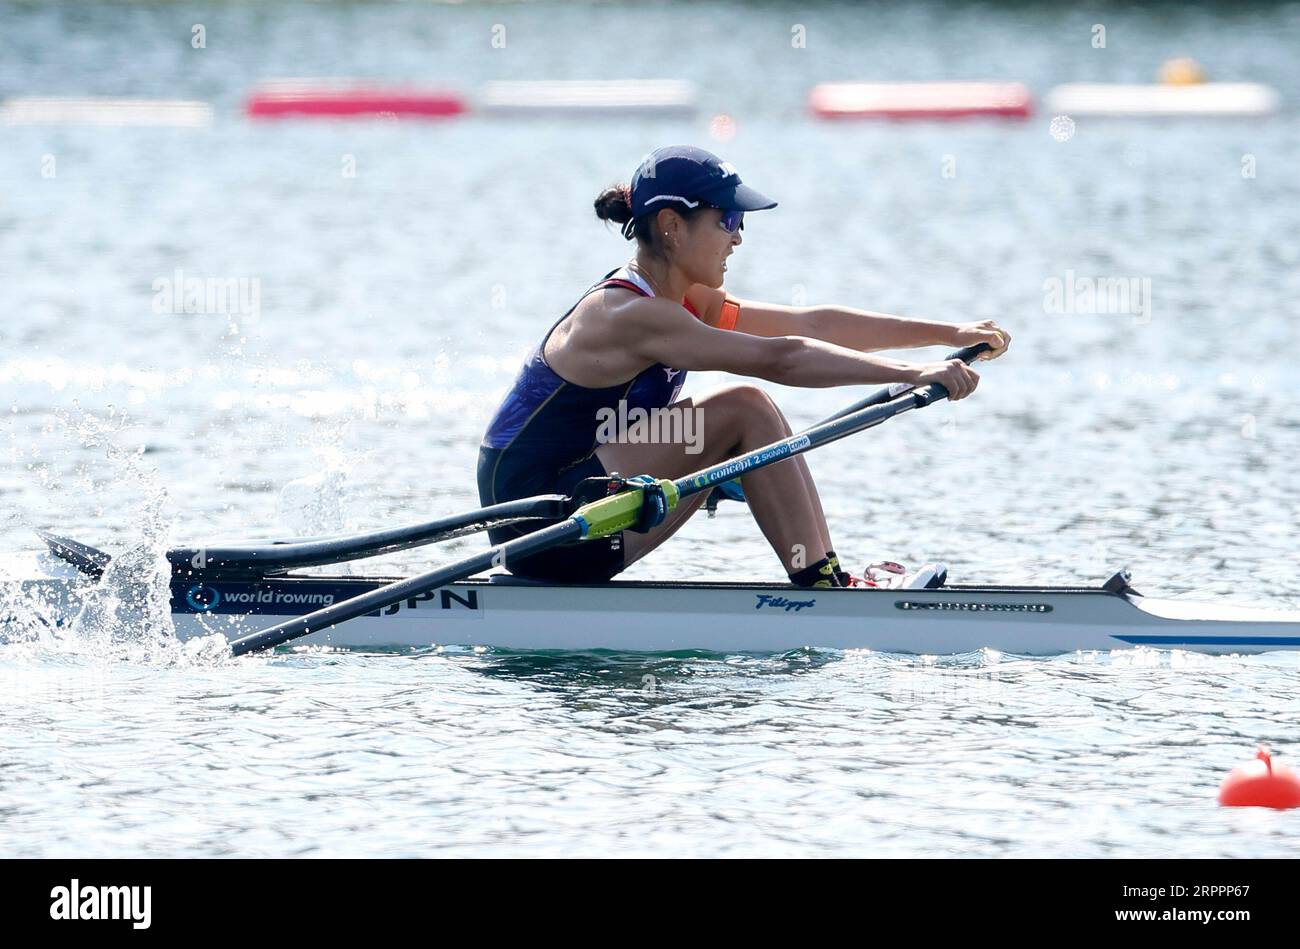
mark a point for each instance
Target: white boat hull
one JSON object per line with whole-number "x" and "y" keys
{"x": 714, "y": 617}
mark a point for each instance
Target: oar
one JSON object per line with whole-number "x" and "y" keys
{"x": 596, "y": 519}
{"x": 276, "y": 557}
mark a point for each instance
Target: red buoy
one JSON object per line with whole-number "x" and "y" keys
{"x": 1261, "y": 783}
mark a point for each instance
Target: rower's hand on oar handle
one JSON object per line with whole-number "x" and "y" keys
{"x": 953, "y": 374}
{"x": 983, "y": 331}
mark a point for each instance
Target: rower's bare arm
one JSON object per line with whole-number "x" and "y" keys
{"x": 662, "y": 332}
{"x": 851, "y": 328}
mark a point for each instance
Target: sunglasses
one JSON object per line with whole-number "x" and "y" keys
{"x": 731, "y": 221}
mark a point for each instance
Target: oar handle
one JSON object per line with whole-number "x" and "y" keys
{"x": 937, "y": 390}
{"x": 968, "y": 353}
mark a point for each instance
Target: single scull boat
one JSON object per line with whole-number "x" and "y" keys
{"x": 673, "y": 616}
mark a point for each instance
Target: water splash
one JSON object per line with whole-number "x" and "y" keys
{"x": 131, "y": 603}
{"x": 312, "y": 506}
{"x": 127, "y": 614}
{"x": 26, "y": 614}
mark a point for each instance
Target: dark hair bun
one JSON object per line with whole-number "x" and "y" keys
{"x": 615, "y": 204}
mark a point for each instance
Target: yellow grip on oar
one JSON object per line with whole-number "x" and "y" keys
{"x": 619, "y": 512}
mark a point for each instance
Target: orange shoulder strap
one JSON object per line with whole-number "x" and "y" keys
{"x": 730, "y": 313}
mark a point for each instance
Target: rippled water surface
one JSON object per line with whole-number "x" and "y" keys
{"x": 394, "y": 307}
{"x": 841, "y": 755}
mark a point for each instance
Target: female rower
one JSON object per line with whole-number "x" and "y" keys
{"x": 628, "y": 342}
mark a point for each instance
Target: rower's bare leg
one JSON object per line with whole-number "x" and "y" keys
{"x": 782, "y": 497}
{"x": 813, "y": 496}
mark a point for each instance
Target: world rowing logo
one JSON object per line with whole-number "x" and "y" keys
{"x": 202, "y": 599}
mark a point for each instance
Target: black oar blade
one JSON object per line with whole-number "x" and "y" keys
{"x": 89, "y": 560}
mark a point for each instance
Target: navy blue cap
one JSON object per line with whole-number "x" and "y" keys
{"x": 683, "y": 176}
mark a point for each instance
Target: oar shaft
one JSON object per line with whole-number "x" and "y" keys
{"x": 264, "y": 559}
{"x": 622, "y": 511}
{"x": 833, "y": 429}
{"x": 888, "y": 393}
